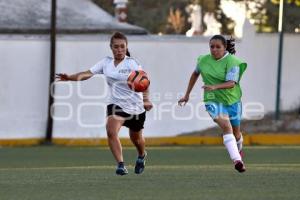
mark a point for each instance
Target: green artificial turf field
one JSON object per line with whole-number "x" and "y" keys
{"x": 88, "y": 173}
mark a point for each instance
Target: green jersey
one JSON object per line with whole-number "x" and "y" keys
{"x": 219, "y": 71}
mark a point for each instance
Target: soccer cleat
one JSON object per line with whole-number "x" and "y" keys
{"x": 239, "y": 166}
{"x": 140, "y": 164}
{"x": 121, "y": 169}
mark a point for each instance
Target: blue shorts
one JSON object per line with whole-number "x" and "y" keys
{"x": 234, "y": 111}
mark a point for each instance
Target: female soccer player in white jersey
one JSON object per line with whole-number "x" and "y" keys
{"x": 125, "y": 107}
{"x": 221, "y": 72}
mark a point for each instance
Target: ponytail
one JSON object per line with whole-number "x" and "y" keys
{"x": 230, "y": 45}
{"x": 127, "y": 53}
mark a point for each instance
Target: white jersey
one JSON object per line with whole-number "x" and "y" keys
{"x": 116, "y": 77}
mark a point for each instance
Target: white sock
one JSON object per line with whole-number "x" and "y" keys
{"x": 240, "y": 143}
{"x": 231, "y": 146}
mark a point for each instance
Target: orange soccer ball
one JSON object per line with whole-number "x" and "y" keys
{"x": 138, "y": 81}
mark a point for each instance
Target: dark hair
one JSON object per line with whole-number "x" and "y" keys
{"x": 119, "y": 35}
{"x": 228, "y": 44}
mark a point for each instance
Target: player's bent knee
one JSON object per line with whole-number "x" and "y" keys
{"x": 226, "y": 128}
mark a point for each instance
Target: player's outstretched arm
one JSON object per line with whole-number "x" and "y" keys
{"x": 81, "y": 76}
{"x": 192, "y": 82}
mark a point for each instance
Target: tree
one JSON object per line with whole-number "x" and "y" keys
{"x": 151, "y": 14}
{"x": 154, "y": 15}
{"x": 176, "y": 20}
{"x": 107, "y": 5}
{"x": 264, "y": 14}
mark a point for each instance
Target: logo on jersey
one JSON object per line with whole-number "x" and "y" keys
{"x": 124, "y": 71}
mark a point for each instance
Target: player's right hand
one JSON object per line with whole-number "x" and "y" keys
{"x": 62, "y": 77}
{"x": 183, "y": 100}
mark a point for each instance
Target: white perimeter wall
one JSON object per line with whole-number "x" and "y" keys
{"x": 79, "y": 109}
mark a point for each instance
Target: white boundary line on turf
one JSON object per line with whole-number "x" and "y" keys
{"x": 212, "y": 166}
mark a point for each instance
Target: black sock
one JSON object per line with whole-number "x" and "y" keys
{"x": 121, "y": 164}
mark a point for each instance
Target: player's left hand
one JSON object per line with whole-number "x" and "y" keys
{"x": 209, "y": 87}
{"x": 148, "y": 105}
{"x": 62, "y": 77}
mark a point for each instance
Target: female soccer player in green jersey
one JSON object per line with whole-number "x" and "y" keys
{"x": 221, "y": 72}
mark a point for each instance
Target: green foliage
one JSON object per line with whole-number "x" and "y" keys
{"x": 214, "y": 6}
{"x": 107, "y": 5}
{"x": 155, "y": 15}
{"x": 291, "y": 17}
{"x": 265, "y": 15}
{"x": 151, "y": 14}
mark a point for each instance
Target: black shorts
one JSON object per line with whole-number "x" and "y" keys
{"x": 133, "y": 122}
